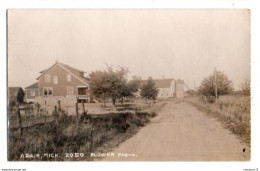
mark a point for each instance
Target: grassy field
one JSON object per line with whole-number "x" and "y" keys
{"x": 232, "y": 111}
{"x": 75, "y": 139}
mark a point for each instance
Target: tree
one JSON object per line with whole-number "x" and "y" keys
{"x": 110, "y": 83}
{"x": 148, "y": 90}
{"x": 129, "y": 89}
{"x": 245, "y": 86}
{"x": 99, "y": 84}
{"x": 20, "y": 95}
{"x": 219, "y": 80}
{"x": 117, "y": 82}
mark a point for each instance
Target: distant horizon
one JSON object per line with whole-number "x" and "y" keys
{"x": 177, "y": 44}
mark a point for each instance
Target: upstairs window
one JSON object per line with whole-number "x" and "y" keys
{"x": 47, "y": 91}
{"x": 55, "y": 79}
{"x": 68, "y": 78}
{"x": 47, "y": 78}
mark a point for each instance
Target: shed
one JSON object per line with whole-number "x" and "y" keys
{"x": 31, "y": 92}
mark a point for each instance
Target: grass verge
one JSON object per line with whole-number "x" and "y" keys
{"x": 232, "y": 111}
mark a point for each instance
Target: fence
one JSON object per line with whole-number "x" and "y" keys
{"x": 24, "y": 116}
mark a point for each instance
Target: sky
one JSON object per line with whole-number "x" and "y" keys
{"x": 178, "y": 44}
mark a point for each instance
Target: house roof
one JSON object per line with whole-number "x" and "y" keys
{"x": 69, "y": 69}
{"x": 33, "y": 86}
{"x": 159, "y": 83}
{"x": 67, "y": 66}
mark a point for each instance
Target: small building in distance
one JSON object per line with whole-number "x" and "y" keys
{"x": 31, "y": 92}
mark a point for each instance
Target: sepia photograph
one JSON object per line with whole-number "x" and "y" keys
{"x": 128, "y": 85}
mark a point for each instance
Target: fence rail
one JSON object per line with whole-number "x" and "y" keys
{"x": 32, "y": 116}
{"x": 32, "y": 122}
{"x": 24, "y": 116}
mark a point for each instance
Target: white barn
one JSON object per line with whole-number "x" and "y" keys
{"x": 167, "y": 88}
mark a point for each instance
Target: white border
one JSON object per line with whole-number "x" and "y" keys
{"x": 137, "y": 4}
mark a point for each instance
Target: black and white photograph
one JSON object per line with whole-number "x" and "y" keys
{"x": 129, "y": 85}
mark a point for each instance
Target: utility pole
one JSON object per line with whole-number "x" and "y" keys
{"x": 216, "y": 84}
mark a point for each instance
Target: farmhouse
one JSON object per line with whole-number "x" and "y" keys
{"x": 59, "y": 82}
{"x": 167, "y": 88}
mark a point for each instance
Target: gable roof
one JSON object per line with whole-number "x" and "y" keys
{"x": 68, "y": 69}
{"x": 159, "y": 83}
{"x": 71, "y": 68}
{"x": 67, "y": 66}
{"x": 33, "y": 86}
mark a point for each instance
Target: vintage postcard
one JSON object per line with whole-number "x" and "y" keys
{"x": 129, "y": 85}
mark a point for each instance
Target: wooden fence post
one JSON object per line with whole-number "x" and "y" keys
{"x": 45, "y": 107}
{"x": 56, "y": 115}
{"x": 19, "y": 118}
{"x": 34, "y": 109}
{"x": 59, "y": 107}
{"x": 38, "y": 108}
{"x": 83, "y": 106}
{"x": 77, "y": 112}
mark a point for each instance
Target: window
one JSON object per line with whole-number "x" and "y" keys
{"x": 47, "y": 78}
{"x": 68, "y": 78}
{"x": 69, "y": 90}
{"x": 82, "y": 91}
{"x": 32, "y": 93}
{"x": 47, "y": 91}
{"x": 55, "y": 79}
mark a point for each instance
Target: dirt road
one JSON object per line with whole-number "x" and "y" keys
{"x": 181, "y": 133}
